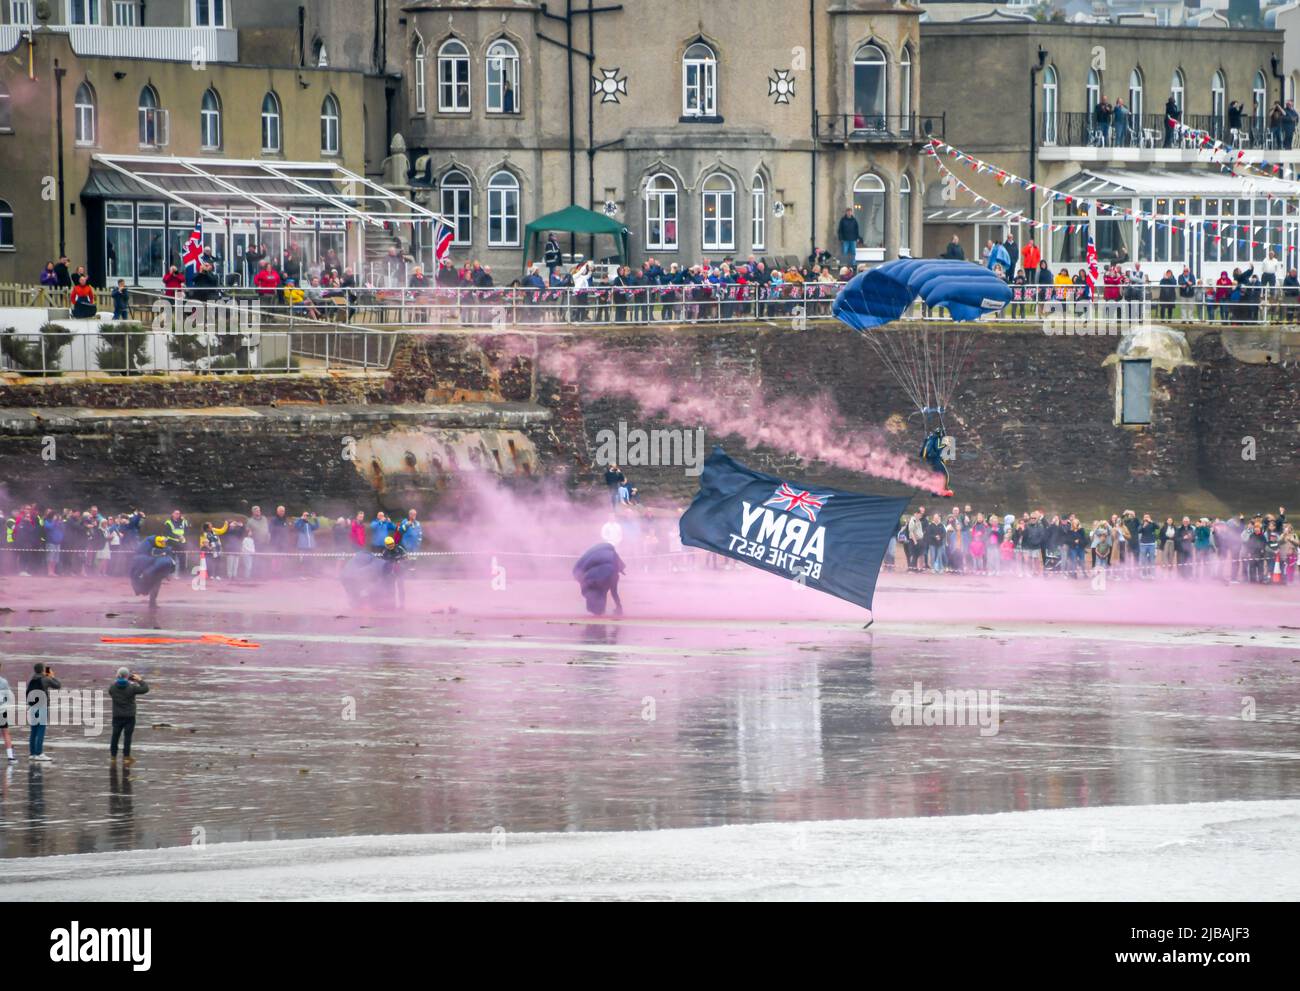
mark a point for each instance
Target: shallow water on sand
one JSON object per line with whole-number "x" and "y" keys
{"x": 513, "y": 712}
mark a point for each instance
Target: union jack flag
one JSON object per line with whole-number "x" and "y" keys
{"x": 1090, "y": 273}
{"x": 193, "y": 252}
{"x": 797, "y": 502}
{"x": 443, "y": 235}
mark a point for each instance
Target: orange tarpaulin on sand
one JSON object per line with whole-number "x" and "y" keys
{"x": 216, "y": 638}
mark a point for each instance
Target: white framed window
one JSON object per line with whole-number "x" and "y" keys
{"x": 700, "y": 82}
{"x": 83, "y": 115}
{"x": 209, "y": 13}
{"x": 502, "y": 78}
{"x": 153, "y": 120}
{"x": 1092, "y": 92}
{"x": 1218, "y": 95}
{"x": 1259, "y": 96}
{"x": 870, "y": 88}
{"x": 20, "y": 12}
{"x": 1178, "y": 90}
{"x": 123, "y": 13}
{"x": 758, "y": 213}
{"x": 869, "y": 208}
{"x": 272, "y": 138}
{"x": 6, "y": 226}
{"x": 421, "y": 77}
{"x": 503, "y": 210}
{"x": 6, "y": 108}
{"x": 905, "y": 85}
{"x": 84, "y": 12}
{"x": 718, "y": 213}
{"x": 905, "y": 216}
{"x": 329, "y": 125}
{"x": 210, "y": 121}
{"x": 453, "y": 77}
{"x": 454, "y": 194}
{"x": 1135, "y": 100}
{"x": 661, "y": 213}
{"x": 1051, "y": 105}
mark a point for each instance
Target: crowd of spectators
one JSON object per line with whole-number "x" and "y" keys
{"x": 1261, "y": 548}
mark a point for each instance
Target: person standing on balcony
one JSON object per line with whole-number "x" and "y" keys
{"x": 1234, "y": 118}
{"x": 551, "y": 254}
{"x": 1120, "y": 115}
{"x": 1276, "y": 117}
{"x": 1172, "y": 113}
{"x": 1102, "y": 114}
{"x": 849, "y": 235}
{"x": 1289, "y": 120}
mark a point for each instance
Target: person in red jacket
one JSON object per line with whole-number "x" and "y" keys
{"x": 174, "y": 282}
{"x": 267, "y": 281}
{"x": 1113, "y": 280}
{"x": 359, "y": 530}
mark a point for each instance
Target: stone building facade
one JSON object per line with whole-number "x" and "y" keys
{"x": 986, "y": 72}
{"x": 706, "y": 133}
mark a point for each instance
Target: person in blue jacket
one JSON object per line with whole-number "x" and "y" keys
{"x": 381, "y": 527}
{"x": 410, "y": 534}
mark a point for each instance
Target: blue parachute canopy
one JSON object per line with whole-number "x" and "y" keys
{"x": 926, "y": 358}
{"x": 883, "y": 294}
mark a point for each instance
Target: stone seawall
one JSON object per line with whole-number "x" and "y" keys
{"x": 1035, "y": 420}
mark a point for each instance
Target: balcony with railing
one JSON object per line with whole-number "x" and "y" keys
{"x": 848, "y": 129}
{"x": 167, "y": 44}
{"x": 1083, "y": 130}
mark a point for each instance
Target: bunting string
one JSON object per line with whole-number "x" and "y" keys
{"x": 1174, "y": 222}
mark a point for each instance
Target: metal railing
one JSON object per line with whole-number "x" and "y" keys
{"x": 873, "y": 127}
{"x": 1152, "y": 131}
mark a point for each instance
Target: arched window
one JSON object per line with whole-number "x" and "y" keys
{"x": 661, "y": 213}
{"x": 151, "y": 125}
{"x": 6, "y": 225}
{"x": 1092, "y": 95}
{"x": 1051, "y": 105}
{"x": 905, "y": 216}
{"x": 503, "y": 210}
{"x": 1178, "y": 90}
{"x": 272, "y": 140}
{"x": 905, "y": 86}
{"x": 758, "y": 213}
{"x": 502, "y": 78}
{"x": 210, "y": 121}
{"x": 1218, "y": 95}
{"x": 1259, "y": 96}
{"x": 421, "y": 69}
{"x": 700, "y": 82}
{"x": 455, "y": 198}
{"x": 719, "y": 213}
{"x": 869, "y": 207}
{"x": 869, "y": 89}
{"x": 329, "y": 126}
{"x": 1135, "y": 101}
{"x": 453, "y": 77}
{"x": 83, "y": 111}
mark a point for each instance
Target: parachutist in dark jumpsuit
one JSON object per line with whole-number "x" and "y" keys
{"x": 153, "y": 562}
{"x": 932, "y": 454}
{"x": 393, "y": 555}
{"x": 597, "y": 574}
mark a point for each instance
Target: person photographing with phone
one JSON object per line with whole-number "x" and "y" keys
{"x": 38, "y": 708}
{"x": 123, "y": 692}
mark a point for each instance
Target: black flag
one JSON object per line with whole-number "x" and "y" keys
{"x": 827, "y": 539}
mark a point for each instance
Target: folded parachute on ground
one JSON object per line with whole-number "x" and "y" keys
{"x": 883, "y": 294}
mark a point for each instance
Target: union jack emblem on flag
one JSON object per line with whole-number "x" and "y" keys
{"x": 443, "y": 235}
{"x": 193, "y": 252}
{"x": 797, "y": 502}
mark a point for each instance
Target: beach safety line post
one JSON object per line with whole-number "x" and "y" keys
{"x": 200, "y": 582}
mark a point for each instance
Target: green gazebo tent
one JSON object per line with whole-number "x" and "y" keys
{"x": 573, "y": 220}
